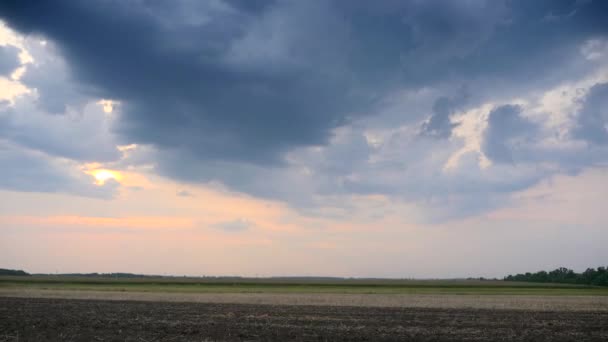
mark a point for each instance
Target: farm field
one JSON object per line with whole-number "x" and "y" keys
{"x": 294, "y": 285}
{"x": 40, "y": 319}
{"x": 194, "y": 309}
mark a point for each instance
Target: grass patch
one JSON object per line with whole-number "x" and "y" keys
{"x": 348, "y": 286}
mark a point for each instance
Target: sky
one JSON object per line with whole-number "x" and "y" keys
{"x": 403, "y": 139}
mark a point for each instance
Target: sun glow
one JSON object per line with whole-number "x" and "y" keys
{"x": 107, "y": 105}
{"x": 103, "y": 175}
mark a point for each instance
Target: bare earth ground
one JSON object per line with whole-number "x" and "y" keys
{"x": 39, "y": 319}
{"x": 445, "y": 301}
{"x": 128, "y": 316}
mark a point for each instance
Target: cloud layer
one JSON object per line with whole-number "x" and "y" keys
{"x": 448, "y": 105}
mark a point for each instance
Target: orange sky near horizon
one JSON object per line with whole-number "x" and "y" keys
{"x": 187, "y": 235}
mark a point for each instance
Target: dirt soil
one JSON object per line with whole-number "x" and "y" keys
{"x": 40, "y": 319}
{"x": 440, "y": 301}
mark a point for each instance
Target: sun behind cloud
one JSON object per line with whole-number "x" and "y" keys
{"x": 103, "y": 175}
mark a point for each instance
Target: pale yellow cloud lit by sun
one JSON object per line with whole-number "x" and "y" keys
{"x": 103, "y": 175}
{"x": 10, "y": 89}
{"x": 471, "y": 125}
{"x": 126, "y": 148}
{"x": 107, "y": 105}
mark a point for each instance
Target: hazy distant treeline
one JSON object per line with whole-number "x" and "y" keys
{"x": 4, "y": 271}
{"x": 105, "y": 275}
{"x": 591, "y": 276}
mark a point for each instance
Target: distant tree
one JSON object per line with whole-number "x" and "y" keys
{"x": 590, "y": 276}
{"x": 601, "y": 278}
{"x": 7, "y": 272}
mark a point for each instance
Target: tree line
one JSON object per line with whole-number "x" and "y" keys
{"x": 591, "y": 276}
{"x": 7, "y": 272}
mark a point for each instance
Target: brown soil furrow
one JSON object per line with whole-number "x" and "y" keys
{"x": 38, "y": 319}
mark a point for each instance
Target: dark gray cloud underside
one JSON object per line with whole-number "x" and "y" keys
{"x": 224, "y": 90}
{"x": 9, "y": 59}
{"x": 592, "y": 120}
{"x": 506, "y": 130}
{"x": 250, "y": 81}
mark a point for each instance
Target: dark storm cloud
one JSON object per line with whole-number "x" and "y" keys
{"x": 226, "y": 91}
{"x": 507, "y": 130}
{"x": 439, "y": 124}
{"x": 592, "y": 120}
{"x": 249, "y": 81}
{"x": 519, "y": 48}
{"x": 9, "y": 59}
{"x": 196, "y": 85}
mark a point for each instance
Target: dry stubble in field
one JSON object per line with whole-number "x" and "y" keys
{"x": 531, "y": 302}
